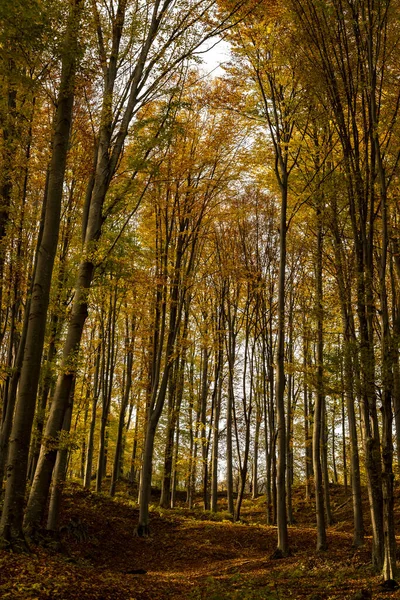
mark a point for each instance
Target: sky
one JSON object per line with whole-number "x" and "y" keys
{"x": 214, "y": 54}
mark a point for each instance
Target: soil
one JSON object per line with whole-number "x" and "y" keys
{"x": 190, "y": 555}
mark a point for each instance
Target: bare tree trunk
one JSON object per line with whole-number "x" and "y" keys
{"x": 8, "y": 148}
{"x": 231, "y": 353}
{"x": 350, "y": 369}
{"x": 174, "y": 481}
{"x": 165, "y": 498}
{"x": 59, "y": 475}
{"x": 56, "y": 323}
{"x": 133, "y": 470}
{"x": 307, "y": 424}
{"x": 192, "y": 436}
{"x": 290, "y": 414}
{"x": 247, "y": 403}
{"x": 395, "y": 258}
{"x": 324, "y": 460}
{"x": 389, "y": 562}
{"x": 320, "y": 397}
{"x": 90, "y": 443}
{"x": 334, "y": 469}
{"x": 256, "y": 446}
{"x": 203, "y": 425}
{"x": 107, "y": 387}
{"x": 283, "y": 541}
{"x": 344, "y": 448}
{"x": 215, "y": 446}
{"x": 122, "y": 413}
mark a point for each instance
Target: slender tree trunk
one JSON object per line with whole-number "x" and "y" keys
{"x": 165, "y": 499}
{"x": 59, "y": 476}
{"x": 324, "y": 460}
{"x": 334, "y": 469}
{"x": 143, "y": 528}
{"x": 307, "y": 437}
{"x": 229, "y": 448}
{"x": 231, "y": 350}
{"x": 41, "y": 409}
{"x": 215, "y": 445}
{"x": 290, "y": 415}
{"x": 56, "y": 323}
{"x": 9, "y": 146}
{"x": 283, "y": 540}
{"x": 133, "y": 470}
{"x": 320, "y": 397}
{"x": 121, "y": 421}
{"x": 107, "y": 388}
{"x": 350, "y": 370}
{"x": 203, "y": 425}
{"x": 389, "y": 562}
{"x": 344, "y": 448}
{"x": 174, "y": 481}
{"x": 256, "y": 448}
{"x": 90, "y": 443}
{"x": 192, "y": 435}
{"x": 395, "y": 260}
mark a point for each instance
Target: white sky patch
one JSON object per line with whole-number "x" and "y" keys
{"x": 214, "y": 54}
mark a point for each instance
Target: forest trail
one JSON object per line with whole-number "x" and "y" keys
{"x": 191, "y": 555}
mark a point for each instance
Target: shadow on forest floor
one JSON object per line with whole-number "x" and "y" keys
{"x": 190, "y": 556}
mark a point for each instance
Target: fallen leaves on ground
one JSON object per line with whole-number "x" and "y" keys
{"x": 190, "y": 555}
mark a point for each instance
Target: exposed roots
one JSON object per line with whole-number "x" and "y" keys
{"x": 142, "y": 531}
{"x": 278, "y": 554}
{"x": 15, "y": 542}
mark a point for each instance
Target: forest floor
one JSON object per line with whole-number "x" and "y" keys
{"x": 190, "y": 555}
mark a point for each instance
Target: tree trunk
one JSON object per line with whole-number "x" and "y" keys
{"x": 231, "y": 352}
{"x": 215, "y": 445}
{"x": 59, "y": 476}
{"x": 290, "y": 414}
{"x": 344, "y": 446}
{"x": 174, "y": 482}
{"x": 165, "y": 498}
{"x": 90, "y": 442}
{"x": 203, "y": 425}
{"x": 256, "y": 448}
{"x": 308, "y": 454}
{"x": 324, "y": 460}
{"x": 320, "y": 397}
{"x": 283, "y": 541}
{"x": 121, "y": 420}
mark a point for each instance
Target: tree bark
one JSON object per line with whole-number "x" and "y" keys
{"x": 319, "y": 422}
{"x": 122, "y": 413}
{"x": 59, "y": 475}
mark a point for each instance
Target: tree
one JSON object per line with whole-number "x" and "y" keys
{"x": 152, "y": 56}
{"x": 12, "y": 515}
{"x": 279, "y": 95}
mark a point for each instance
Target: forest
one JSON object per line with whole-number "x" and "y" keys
{"x": 199, "y": 299}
